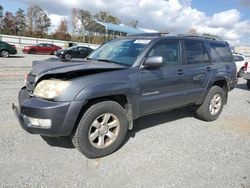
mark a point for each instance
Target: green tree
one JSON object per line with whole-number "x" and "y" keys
{"x": 20, "y": 18}
{"x": 9, "y": 24}
{"x": 107, "y": 17}
{"x": 85, "y": 17}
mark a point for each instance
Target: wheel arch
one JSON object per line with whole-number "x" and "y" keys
{"x": 220, "y": 82}
{"x": 121, "y": 99}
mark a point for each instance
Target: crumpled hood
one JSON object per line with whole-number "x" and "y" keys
{"x": 57, "y": 67}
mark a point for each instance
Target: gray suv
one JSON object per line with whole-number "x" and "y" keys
{"x": 95, "y": 101}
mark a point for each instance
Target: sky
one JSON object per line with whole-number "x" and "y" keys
{"x": 229, "y": 19}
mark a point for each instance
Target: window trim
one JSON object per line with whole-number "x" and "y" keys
{"x": 180, "y": 58}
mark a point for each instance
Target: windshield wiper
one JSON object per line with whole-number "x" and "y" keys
{"x": 107, "y": 60}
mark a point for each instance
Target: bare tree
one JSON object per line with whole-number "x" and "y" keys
{"x": 193, "y": 31}
{"x": 62, "y": 31}
{"x": 74, "y": 20}
{"x": 133, "y": 23}
{"x": 107, "y": 17}
{"x": 1, "y": 17}
{"x": 38, "y": 21}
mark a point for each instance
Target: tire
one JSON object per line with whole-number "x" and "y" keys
{"x": 4, "y": 53}
{"x": 212, "y": 105}
{"x": 248, "y": 84}
{"x": 88, "y": 138}
{"x": 240, "y": 73}
{"x": 32, "y": 51}
{"x": 68, "y": 57}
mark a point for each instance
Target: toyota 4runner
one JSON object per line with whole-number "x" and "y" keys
{"x": 95, "y": 101}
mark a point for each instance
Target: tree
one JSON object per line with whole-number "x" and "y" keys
{"x": 1, "y": 17}
{"x": 62, "y": 31}
{"x": 107, "y": 17}
{"x": 133, "y": 23}
{"x": 9, "y": 24}
{"x": 193, "y": 31}
{"x": 20, "y": 19}
{"x": 74, "y": 20}
{"x": 85, "y": 17}
{"x": 38, "y": 21}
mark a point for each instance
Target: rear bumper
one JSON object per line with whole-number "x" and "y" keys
{"x": 232, "y": 84}
{"x": 246, "y": 76}
{"x": 63, "y": 115}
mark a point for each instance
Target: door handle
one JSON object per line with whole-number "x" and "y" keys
{"x": 199, "y": 77}
{"x": 180, "y": 72}
{"x": 209, "y": 69}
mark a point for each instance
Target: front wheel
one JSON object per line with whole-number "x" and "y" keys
{"x": 101, "y": 130}
{"x": 248, "y": 84}
{"x": 4, "y": 53}
{"x": 213, "y": 104}
{"x": 68, "y": 57}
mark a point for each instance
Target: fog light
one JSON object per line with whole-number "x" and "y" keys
{"x": 39, "y": 123}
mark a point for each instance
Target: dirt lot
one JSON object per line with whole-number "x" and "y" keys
{"x": 170, "y": 149}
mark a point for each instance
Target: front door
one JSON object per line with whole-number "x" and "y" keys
{"x": 163, "y": 87}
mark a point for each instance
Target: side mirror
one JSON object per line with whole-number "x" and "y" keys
{"x": 154, "y": 61}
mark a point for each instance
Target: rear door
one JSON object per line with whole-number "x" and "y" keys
{"x": 80, "y": 52}
{"x": 197, "y": 68}
{"x": 163, "y": 87}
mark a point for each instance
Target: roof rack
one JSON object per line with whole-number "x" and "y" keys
{"x": 202, "y": 36}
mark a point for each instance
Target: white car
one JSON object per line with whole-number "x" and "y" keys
{"x": 241, "y": 64}
{"x": 246, "y": 75}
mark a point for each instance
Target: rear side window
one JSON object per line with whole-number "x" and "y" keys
{"x": 195, "y": 52}
{"x": 220, "y": 53}
{"x": 238, "y": 58}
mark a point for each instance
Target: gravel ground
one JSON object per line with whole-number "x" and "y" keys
{"x": 170, "y": 149}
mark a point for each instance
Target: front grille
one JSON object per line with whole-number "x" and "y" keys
{"x": 30, "y": 83}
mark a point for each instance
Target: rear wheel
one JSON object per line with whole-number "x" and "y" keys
{"x": 248, "y": 84}
{"x": 101, "y": 130}
{"x": 213, "y": 104}
{"x": 4, "y": 53}
{"x": 240, "y": 73}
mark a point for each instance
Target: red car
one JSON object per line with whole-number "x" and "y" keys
{"x": 42, "y": 48}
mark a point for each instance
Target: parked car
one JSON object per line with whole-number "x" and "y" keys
{"x": 246, "y": 75}
{"x": 42, "y": 48}
{"x": 96, "y": 100}
{"x": 241, "y": 64}
{"x": 74, "y": 52}
{"x": 7, "y": 49}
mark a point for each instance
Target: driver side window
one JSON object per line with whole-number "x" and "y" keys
{"x": 169, "y": 50}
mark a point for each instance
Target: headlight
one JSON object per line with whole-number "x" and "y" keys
{"x": 50, "y": 89}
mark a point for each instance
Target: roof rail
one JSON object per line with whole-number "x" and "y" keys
{"x": 202, "y": 36}
{"x": 149, "y": 34}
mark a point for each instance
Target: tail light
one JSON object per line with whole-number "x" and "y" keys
{"x": 13, "y": 46}
{"x": 245, "y": 66}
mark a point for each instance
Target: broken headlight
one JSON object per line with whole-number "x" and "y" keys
{"x": 50, "y": 89}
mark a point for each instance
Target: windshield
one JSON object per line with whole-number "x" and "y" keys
{"x": 122, "y": 51}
